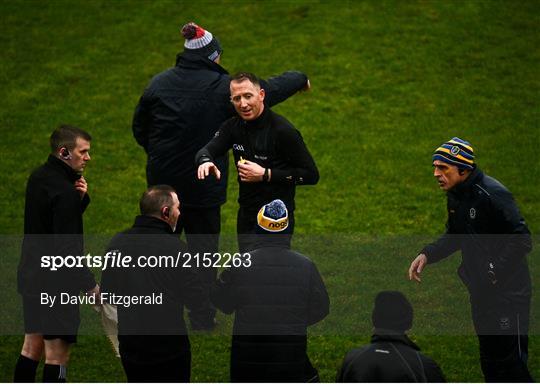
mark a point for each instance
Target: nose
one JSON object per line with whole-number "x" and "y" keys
{"x": 87, "y": 158}
{"x": 436, "y": 172}
{"x": 243, "y": 103}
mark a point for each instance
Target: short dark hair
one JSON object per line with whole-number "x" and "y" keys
{"x": 241, "y": 76}
{"x": 66, "y": 136}
{"x": 155, "y": 198}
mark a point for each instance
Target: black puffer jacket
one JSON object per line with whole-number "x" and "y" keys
{"x": 274, "y": 301}
{"x": 180, "y": 111}
{"x": 389, "y": 359}
{"x": 484, "y": 222}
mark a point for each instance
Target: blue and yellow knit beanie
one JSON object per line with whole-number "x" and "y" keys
{"x": 456, "y": 152}
{"x": 273, "y": 217}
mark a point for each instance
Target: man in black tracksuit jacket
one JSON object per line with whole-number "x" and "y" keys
{"x": 153, "y": 341}
{"x": 179, "y": 112}
{"x": 274, "y": 301}
{"x": 391, "y": 357}
{"x": 486, "y": 225}
{"x": 270, "y": 154}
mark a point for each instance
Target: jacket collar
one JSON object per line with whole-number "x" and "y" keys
{"x": 383, "y": 335}
{"x": 62, "y": 167}
{"x": 190, "y": 60}
{"x": 465, "y": 187}
{"x": 259, "y": 121}
{"x": 152, "y": 222}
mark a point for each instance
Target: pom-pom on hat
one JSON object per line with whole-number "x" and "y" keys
{"x": 392, "y": 311}
{"x": 273, "y": 217}
{"x": 456, "y": 152}
{"x": 201, "y": 42}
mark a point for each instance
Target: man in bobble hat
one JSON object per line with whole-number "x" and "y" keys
{"x": 391, "y": 356}
{"x": 485, "y": 224}
{"x": 179, "y": 112}
{"x": 274, "y": 299}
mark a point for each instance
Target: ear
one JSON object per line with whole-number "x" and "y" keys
{"x": 165, "y": 212}
{"x": 64, "y": 153}
{"x": 262, "y": 93}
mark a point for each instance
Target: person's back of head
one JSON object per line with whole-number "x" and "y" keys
{"x": 392, "y": 312}
{"x": 161, "y": 202}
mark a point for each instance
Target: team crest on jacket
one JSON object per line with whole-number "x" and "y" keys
{"x": 238, "y": 147}
{"x": 472, "y": 213}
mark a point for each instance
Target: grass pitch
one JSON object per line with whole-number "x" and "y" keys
{"x": 391, "y": 81}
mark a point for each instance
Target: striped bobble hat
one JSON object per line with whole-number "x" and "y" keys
{"x": 273, "y": 217}
{"x": 201, "y": 42}
{"x": 456, "y": 152}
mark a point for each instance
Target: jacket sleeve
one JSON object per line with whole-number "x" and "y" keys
{"x": 67, "y": 226}
{"x": 319, "y": 303}
{"x": 280, "y": 88}
{"x": 222, "y": 293}
{"x": 218, "y": 146}
{"x": 301, "y": 166}
{"x": 515, "y": 235}
{"x": 441, "y": 248}
{"x": 142, "y": 121}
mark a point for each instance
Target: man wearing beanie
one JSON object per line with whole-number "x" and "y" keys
{"x": 179, "y": 112}
{"x": 484, "y": 222}
{"x": 275, "y": 299}
{"x": 270, "y": 154}
{"x": 391, "y": 357}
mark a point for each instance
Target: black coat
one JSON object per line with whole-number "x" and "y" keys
{"x": 152, "y": 332}
{"x": 484, "y": 222}
{"x": 389, "y": 359}
{"x": 53, "y": 226}
{"x": 180, "y": 111}
{"x": 274, "y": 301}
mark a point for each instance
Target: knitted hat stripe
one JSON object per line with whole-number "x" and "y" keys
{"x": 270, "y": 224}
{"x": 459, "y": 164}
{"x": 462, "y": 151}
{"x": 200, "y": 42}
{"x": 461, "y": 143}
{"x": 458, "y": 156}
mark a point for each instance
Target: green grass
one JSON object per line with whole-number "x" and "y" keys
{"x": 391, "y": 81}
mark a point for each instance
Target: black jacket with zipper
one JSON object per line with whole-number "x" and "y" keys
{"x": 484, "y": 222}
{"x": 390, "y": 358}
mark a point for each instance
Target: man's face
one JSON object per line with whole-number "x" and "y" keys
{"x": 80, "y": 155}
{"x": 447, "y": 175}
{"x": 248, "y": 99}
{"x": 174, "y": 212}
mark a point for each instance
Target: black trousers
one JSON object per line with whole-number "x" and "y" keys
{"x": 246, "y": 227}
{"x": 202, "y": 227}
{"x": 502, "y": 323}
{"x": 177, "y": 370}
